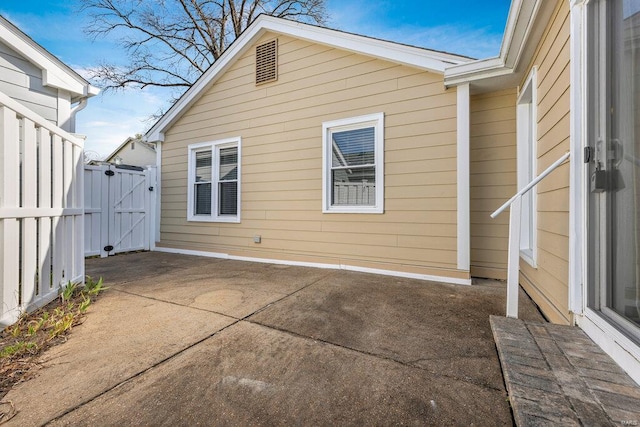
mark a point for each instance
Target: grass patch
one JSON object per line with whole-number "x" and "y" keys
{"x": 22, "y": 343}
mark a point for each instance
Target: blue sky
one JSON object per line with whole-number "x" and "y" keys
{"x": 474, "y": 29}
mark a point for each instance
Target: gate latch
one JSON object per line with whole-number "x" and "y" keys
{"x": 108, "y": 248}
{"x": 109, "y": 172}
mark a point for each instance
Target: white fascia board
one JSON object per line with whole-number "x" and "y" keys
{"x": 474, "y": 71}
{"x": 408, "y": 55}
{"x": 424, "y": 59}
{"x": 54, "y": 72}
{"x": 522, "y": 15}
{"x": 242, "y": 43}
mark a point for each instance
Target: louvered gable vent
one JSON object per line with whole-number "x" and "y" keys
{"x": 267, "y": 62}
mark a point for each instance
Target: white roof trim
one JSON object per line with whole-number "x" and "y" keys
{"x": 522, "y": 15}
{"x": 54, "y": 72}
{"x": 424, "y": 59}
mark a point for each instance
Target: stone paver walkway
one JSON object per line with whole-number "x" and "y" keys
{"x": 555, "y": 375}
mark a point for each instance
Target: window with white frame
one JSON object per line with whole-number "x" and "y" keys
{"x": 526, "y": 160}
{"x": 353, "y": 165}
{"x": 214, "y": 181}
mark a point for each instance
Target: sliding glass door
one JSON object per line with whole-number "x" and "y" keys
{"x": 614, "y": 162}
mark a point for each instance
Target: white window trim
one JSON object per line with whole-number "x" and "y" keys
{"x": 215, "y": 147}
{"x": 377, "y": 121}
{"x": 527, "y": 114}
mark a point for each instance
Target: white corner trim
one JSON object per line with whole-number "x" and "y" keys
{"x": 424, "y": 59}
{"x": 463, "y": 159}
{"x": 158, "y": 207}
{"x": 426, "y": 277}
{"x": 578, "y": 228}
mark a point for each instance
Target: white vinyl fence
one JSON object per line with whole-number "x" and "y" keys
{"x": 354, "y": 193}
{"x": 119, "y": 214}
{"x": 41, "y": 210}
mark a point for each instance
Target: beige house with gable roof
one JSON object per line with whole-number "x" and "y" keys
{"x": 304, "y": 145}
{"x": 343, "y": 151}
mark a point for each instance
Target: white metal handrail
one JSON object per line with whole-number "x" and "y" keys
{"x": 532, "y": 184}
{"x": 513, "y": 262}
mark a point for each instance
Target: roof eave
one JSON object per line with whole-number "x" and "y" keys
{"x": 55, "y": 73}
{"x": 521, "y": 35}
{"x": 424, "y": 59}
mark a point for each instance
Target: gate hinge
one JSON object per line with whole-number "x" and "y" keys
{"x": 108, "y": 248}
{"x": 109, "y": 172}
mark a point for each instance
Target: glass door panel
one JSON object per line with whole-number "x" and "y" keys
{"x": 614, "y": 205}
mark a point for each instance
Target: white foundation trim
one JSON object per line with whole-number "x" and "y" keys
{"x": 443, "y": 279}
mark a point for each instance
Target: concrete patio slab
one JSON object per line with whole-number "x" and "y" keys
{"x": 228, "y": 287}
{"x": 442, "y": 328}
{"x": 253, "y": 375}
{"x": 298, "y": 345}
{"x": 123, "y": 335}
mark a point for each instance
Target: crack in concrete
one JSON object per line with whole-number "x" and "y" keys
{"x": 179, "y": 352}
{"x": 175, "y": 303}
{"x": 378, "y": 356}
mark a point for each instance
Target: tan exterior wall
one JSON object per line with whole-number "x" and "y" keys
{"x": 548, "y": 283}
{"x": 493, "y": 179}
{"x": 281, "y": 128}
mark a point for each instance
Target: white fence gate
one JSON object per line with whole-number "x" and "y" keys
{"x": 119, "y": 209}
{"x": 41, "y": 244}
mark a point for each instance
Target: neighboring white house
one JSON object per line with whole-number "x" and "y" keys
{"x": 38, "y": 80}
{"x": 133, "y": 152}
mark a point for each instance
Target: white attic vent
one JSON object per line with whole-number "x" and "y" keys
{"x": 267, "y": 62}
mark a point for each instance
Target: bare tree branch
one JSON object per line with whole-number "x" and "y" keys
{"x": 170, "y": 43}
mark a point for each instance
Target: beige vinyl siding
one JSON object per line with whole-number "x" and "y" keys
{"x": 548, "y": 283}
{"x": 493, "y": 179}
{"x": 280, "y": 125}
{"x": 22, "y": 81}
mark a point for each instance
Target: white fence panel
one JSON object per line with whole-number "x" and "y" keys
{"x": 354, "y": 193}
{"x": 41, "y": 210}
{"x": 119, "y": 214}
{"x": 96, "y": 191}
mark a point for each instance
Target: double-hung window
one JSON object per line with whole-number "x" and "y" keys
{"x": 353, "y": 165}
{"x": 214, "y": 181}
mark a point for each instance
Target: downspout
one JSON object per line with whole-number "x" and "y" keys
{"x": 75, "y": 110}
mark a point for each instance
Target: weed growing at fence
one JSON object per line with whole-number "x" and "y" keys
{"x": 23, "y": 342}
